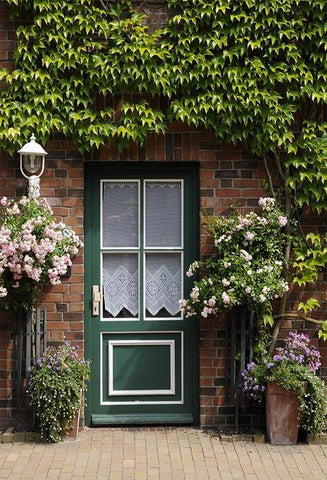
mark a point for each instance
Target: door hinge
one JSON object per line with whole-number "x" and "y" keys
{"x": 96, "y": 299}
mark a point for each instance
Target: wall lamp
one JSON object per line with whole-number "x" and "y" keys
{"x": 32, "y": 162}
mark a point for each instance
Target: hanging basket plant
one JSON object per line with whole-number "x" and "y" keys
{"x": 35, "y": 250}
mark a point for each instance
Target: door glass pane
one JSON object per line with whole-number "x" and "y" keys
{"x": 163, "y": 284}
{"x": 120, "y": 285}
{"x": 120, "y": 214}
{"x": 163, "y": 214}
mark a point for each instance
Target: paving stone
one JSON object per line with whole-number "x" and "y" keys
{"x": 177, "y": 454}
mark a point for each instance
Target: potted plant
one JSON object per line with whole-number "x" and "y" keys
{"x": 295, "y": 396}
{"x": 35, "y": 249}
{"x": 56, "y": 389}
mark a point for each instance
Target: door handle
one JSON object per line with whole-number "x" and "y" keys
{"x": 96, "y": 299}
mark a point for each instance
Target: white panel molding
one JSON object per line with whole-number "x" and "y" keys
{"x": 177, "y": 401}
{"x": 138, "y": 343}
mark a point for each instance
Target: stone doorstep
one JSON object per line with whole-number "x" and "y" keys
{"x": 317, "y": 439}
{"x": 11, "y": 436}
{"x": 261, "y": 438}
{"x": 256, "y": 438}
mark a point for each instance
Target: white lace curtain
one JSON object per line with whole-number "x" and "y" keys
{"x": 120, "y": 214}
{"x": 120, "y": 283}
{"x": 162, "y": 229}
{"x": 163, "y": 214}
{"x": 163, "y": 283}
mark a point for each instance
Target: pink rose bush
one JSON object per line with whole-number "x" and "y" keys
{"x": 35, "y": 249}
{"x": 247, "y": 268}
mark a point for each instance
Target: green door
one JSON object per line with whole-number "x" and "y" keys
{"x": 141, "y": 232}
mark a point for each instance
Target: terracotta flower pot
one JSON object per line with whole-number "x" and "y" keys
{"x": 72, "y": 433}
{"x": 282, "y": 408}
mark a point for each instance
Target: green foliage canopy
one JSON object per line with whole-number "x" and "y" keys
{"x": 250, "y": 71}
{"x": 243, "y": 69}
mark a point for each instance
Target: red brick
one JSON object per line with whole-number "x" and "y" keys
{"x": 57, "y": 326}
{"x": 253, "y": 192}
{"x": 229, "y": 192}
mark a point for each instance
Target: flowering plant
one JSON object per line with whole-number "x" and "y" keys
{"x": 292, "y": 365}
{"x": 248, "y": 267}
{"x": 34, "y": 250}
{"x": 56, "y": 389}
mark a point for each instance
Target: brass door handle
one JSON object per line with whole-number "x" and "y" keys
{"x": 96, "y": 299}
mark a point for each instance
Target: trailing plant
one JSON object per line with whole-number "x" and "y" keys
{"x": 56, "y": 389}
{"x": 34, "y": 250}
{"x": 293, "y": 365}
{"x": 247, "y": 268}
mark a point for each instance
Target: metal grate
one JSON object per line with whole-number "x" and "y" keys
{"x": 240, "y": 334}
{"x": 34, "y": 338}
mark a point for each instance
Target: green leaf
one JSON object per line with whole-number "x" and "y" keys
{"x": 310, "y": 305}
{"x": 268, "y": 320}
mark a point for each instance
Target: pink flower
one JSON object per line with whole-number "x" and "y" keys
{"x": 3, "y": 201}
{"x": 212, "y": 301}
{"x": 282, "y": 221}
{"x": 74, "y": 250}
{"x": 266, "y": 202}
{"x": 206, "y": 311}
{"x": 226, "y": 298}
{"x": 249, "y": 236}
{"x": 3, "y": 292}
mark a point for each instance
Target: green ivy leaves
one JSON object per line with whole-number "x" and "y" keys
{"x": 245, "y": 70}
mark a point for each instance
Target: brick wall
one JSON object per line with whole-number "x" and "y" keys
{"x": 7, "y": 36}
{"x": 228, "y": 176}
{"x": 7, "y": 187}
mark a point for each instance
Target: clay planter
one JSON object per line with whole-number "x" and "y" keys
{"x": 72, "y": 433}
{"x": 281, "y": 415}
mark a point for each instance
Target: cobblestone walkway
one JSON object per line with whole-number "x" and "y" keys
{"x": 188, "y": 454}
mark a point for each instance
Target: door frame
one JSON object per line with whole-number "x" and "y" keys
{"x": 113, "y": 168}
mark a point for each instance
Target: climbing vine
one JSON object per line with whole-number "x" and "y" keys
{"x": 71, "y": 56}
{"x": 250, "y": 71}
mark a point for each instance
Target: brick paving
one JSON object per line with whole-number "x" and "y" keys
{"x": 178, "y": 454}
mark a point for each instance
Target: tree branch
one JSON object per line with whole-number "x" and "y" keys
{"x": 279, "y": 166}
{"x": 280, "y": 317}
{"x": 269, "y": 177}
{"x": 282, "y": 307}
{"x": 103, "y": 5}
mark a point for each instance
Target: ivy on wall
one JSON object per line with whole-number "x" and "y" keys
{"x": 243, "y": 69}
{"x": 250, "y": 71}
{"x": 70, "y": 56}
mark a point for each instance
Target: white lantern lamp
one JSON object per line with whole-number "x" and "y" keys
{"x": 32, "y": 162}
